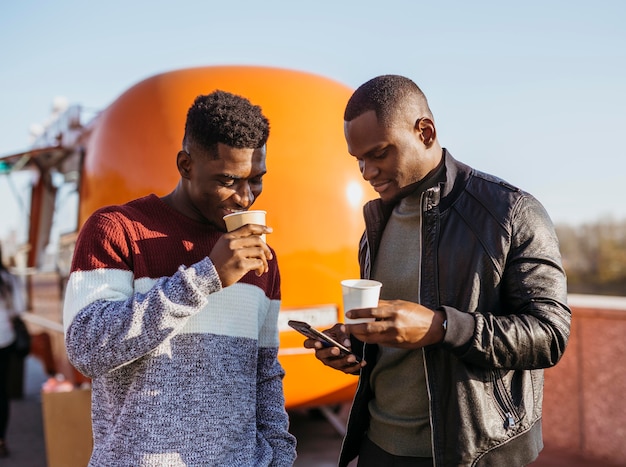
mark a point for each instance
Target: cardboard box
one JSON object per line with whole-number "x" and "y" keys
{"x": 67, "y": 427}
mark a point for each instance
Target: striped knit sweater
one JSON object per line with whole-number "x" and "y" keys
{"x": 184, "y": 372}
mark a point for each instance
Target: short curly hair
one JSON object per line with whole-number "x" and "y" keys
{"x": 386, "y": 95}
{"x": 222, "y": 117}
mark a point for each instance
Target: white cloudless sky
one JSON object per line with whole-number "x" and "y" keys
{"x": 533, "y": 91}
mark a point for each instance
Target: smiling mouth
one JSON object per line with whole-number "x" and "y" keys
{"x": 380, "y": 186}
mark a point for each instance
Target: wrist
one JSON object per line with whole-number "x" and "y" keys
{"x": 441, "y": 325}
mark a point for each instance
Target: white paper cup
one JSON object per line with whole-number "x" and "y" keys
{"x": 241, "y": 218}
{"x": 359, "y": 293}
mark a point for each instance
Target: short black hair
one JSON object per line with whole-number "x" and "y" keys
{"x": 222, "y": 117}
{"x": 385, "y": 95}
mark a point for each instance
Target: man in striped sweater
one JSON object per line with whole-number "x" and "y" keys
{"x": 175, "y": 320}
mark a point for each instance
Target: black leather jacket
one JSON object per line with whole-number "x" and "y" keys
{"x": 490, "y": 259}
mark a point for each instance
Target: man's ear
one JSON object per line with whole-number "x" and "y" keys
{"x": 183, "y": 163}
{"x": 427, "y": 130}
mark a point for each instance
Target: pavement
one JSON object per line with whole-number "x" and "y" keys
{"x": 318, "y": 441}
{"x": 25, "y": 435}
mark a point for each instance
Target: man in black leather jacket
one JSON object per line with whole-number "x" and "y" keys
{"x": 473, "y": 303}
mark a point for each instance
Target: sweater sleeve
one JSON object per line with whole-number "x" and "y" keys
{"x": 108, "y": 321}
{"x": 272, "y": 418}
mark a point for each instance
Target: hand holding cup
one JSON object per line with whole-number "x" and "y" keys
{"x": 359, "y": 293}
{"x": 238, "y": 219}
{"x": 243, "y": 248}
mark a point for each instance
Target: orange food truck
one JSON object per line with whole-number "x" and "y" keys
{"x": 313, "y": 194}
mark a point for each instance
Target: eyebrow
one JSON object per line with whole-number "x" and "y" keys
{"x": 236, "y": 177}
{"x": 229, "y": 176}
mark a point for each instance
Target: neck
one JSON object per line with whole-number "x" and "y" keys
{"x": 434, "y": 176}
{"x": 174, "y": 198}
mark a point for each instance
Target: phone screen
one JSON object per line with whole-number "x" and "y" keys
{"x": 327, "y": 341}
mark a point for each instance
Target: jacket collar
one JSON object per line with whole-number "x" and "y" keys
{"x": 457, "y": 175}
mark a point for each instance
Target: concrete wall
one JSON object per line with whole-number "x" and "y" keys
{"x": 584, "y": 409}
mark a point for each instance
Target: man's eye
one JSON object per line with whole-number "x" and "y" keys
{"x": 227, "y": 182}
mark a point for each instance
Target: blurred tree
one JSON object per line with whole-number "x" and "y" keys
{"x": 594, "y": 256}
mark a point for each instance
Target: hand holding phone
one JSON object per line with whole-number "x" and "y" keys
{"x": 327, "y": 341}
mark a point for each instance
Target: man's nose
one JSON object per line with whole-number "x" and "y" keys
{"x": 368, "y": 170}
{"x": 245, "y": 195}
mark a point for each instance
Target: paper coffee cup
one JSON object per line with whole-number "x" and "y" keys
{"x": 241, "y": 218}
{"x": 359, "y": 293}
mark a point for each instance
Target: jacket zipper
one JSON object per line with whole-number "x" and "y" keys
{"x": 504, "y": 404}
{"x": 419, "y": 293}
{"x": 419, "y": 290}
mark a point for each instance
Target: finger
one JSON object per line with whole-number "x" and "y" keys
{"x": 256, "y": 257}
{"x": 357, "y": 330}
{"x": 267, "y": 252}
{"x": 337, "y": 332}
{"x": 258, "y": 229}
{"x": 384, "y": 310}
{"x": 342, "y": 337}
{"x": 312, "y": 344}
{"x": 262, "y": 269}
{"x": 357, "y": 313}
{"x": 333, "y": 358}
{"x": 347, "y": 364}
{"x": 326, "y": 353}
{"x": 253, "y": 233}
{"x": 249, "y": 230}
{"x": 371, "y": 332}
{"x": 257, "y": 248}
{"x": 353, "y": 368}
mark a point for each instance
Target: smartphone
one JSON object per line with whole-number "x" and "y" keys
{"x": 327, "y": 341}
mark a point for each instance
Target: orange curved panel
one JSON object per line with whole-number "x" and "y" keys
{"x": 313, "y": 192}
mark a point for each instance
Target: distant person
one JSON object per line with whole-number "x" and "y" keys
{"x": 473, "y": 303}
{"x": 11, "y": 304}
{"x": 175, "y": 320}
